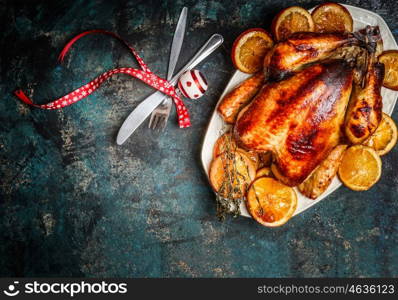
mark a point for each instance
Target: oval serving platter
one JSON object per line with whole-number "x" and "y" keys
{"x": 217, "y": 126}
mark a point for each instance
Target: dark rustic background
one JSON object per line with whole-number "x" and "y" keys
{"x": 73, "y": 203}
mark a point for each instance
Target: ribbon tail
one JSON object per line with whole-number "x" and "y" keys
{"x": 22, "y": 96}
{"x": 182, "y": 112}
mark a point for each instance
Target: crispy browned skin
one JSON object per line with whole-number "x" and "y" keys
{"x": 233, "y": 102}
{"x": 298, "y": 119}
{"x": 320, "y": 179}
{"x": 301, "y": 49}
{"x": 365, "y": 108}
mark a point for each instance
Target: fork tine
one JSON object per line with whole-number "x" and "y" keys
{"x": 160, "y": 116}
{"x": 164, "y": 122}
{"x": 155, "y": 121}
{"x": 151, "y": 120}
{"x": 159, "y": 125}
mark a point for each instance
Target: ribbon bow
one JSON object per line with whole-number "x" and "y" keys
{"x": 144, "y": 75}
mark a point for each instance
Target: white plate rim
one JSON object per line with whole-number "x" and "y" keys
{"x": 232, "y": 82}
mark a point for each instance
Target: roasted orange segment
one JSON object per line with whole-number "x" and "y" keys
{"x": 231, "y": 173}
{"x": 360, "y": 168}
{"x": 332, "y": 17}
{"x": 249, "y": 49}
{"x": 290, "y": 20}
{"x": 270, "y": 202}
{"x": 252, "y": 155}
{"x": 224, "y": 143}
{"x": 390, "y": 60}
{"x": 385, "y": 136}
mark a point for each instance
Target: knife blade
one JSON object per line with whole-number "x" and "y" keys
{"x": 144, "y": 109}
{"x": 174, "y": 54}
{"x": 177, "y": 42}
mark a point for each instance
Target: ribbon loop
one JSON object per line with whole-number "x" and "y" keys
{"x": 144, "y": 75}
{"x": 67, "y": 47}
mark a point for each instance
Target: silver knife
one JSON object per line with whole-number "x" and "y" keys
{"x": 174, "y": 54}
{"x": 177, "y": 42}
{"x": 144, "y": 109}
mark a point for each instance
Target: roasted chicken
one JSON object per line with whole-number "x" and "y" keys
{"x": 298, "y": 119}
{"x": 300, "y": 112}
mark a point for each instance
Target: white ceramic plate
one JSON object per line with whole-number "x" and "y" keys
{"x": 217, "y": 127}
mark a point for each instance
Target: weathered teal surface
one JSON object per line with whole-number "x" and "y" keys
{"x": 73, "y": 203}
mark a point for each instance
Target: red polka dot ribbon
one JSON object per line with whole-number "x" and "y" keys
{"x": 144, "y": 75}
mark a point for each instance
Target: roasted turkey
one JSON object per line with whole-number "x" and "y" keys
{"x": 298, "y": 119}
{"x": 299, "y": 112}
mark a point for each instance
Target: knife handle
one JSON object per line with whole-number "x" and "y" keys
{"x": 212, "y": 44}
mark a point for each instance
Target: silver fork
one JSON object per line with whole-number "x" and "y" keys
{"x": 160, "y": 115}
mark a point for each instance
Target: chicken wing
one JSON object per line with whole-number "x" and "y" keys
{"x": 233, "y": 102}
{"x": 320, "y": 179}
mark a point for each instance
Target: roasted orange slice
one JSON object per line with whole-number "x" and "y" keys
{"x": 252, "y": 155}
{"x": 385, "y": 136}
{"x": 231, "y": 173}
{"x": 360, "y": 168}
{"x": 290, "y": 20}
{"x": 332, "y": 17}
{"x": 390, "y": 60}
{"x": 224, "y": 143}
{"x": 270, "y": 202}
{"x": 249, "y": 49}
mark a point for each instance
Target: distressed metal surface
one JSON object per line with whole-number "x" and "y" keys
{"x": 73, "y": 203}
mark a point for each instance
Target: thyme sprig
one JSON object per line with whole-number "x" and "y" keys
{"x": 231, "y": 193}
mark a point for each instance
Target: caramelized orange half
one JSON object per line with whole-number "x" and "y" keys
{"x": 270, "y": 202}
{"x": 290, "y": 20}
{"x": 249, "y": 49}
{"x": 224, "y": 143}
{"x": 385, "y": 136}
{"x": 332, "y": 17}
{"x": 390, "y": 60}
{"x": 360, "y": 168}
{"x": 231, "y": 174}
